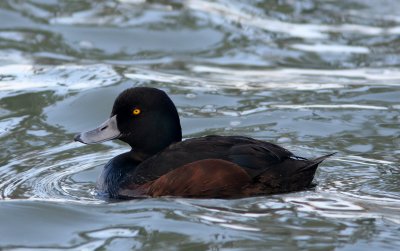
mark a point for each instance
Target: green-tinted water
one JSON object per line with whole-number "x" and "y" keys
{"x": 314, "y": 76}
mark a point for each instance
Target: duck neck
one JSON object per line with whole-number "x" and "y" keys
{"x": 153, "y": 144}
{"x": 147, "y": 149}
{"x": 138, "y": 156}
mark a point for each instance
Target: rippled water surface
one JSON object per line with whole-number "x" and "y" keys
{"x": 315, "y": 76}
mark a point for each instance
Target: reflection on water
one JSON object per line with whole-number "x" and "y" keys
{"x": 314, "y": 76}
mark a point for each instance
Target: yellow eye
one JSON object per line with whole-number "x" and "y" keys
{"x": 136, "y": 111}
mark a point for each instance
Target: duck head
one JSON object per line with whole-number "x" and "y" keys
{"x": 144, "y": 117}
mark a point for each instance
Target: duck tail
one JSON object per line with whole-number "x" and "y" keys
{"x": 322, "y": 158}
{"x": 311, "y": 167}
{"x": 313, "y": 164}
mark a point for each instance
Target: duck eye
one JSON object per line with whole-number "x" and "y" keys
{"x": 136, "y": 111}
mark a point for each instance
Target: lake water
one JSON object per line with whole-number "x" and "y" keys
{"x": 314, "y": 76}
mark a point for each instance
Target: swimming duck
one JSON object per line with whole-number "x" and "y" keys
{"x": 161, "y": 164}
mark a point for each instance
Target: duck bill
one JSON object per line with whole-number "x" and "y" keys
{"x": 106, "y": 131}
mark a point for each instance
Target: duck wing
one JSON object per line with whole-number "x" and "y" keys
{"x": 254, "y": 156}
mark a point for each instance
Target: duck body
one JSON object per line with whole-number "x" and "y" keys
{"x": 160, "y": 164}
{"x": 212, "y": 166}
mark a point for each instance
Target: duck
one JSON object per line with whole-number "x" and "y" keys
{"x": 161, "y": 164}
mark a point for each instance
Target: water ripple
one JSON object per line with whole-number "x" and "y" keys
{"x": 315, "y": 76}
{"x": 28, "y": 78}
{"x": 49, "y": 179}
{"x": 240, "y": 14}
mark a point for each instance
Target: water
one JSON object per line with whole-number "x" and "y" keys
{"x": 314, "y": 76}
